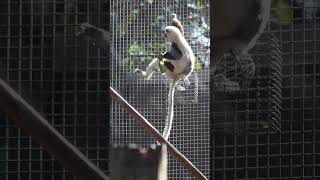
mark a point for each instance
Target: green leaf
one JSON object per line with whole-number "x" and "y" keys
{"x": 136, "y": 49}
{"x": 200, "y": 5}
{"x": 135, "y": 11}
{"x": 162, "y": 67}
{"x": 282, "y": 12}
{"x": 205, "y": 30}
{"x": 163, "y": 46}
{"x": 197, "y": 65}
{"x": 264, "y": 125}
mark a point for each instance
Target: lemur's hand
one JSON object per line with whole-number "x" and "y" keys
{"x": 160, "y": 56}
{"x": 139, "y": 72}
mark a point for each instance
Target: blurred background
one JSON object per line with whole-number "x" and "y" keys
{"x": 270, "y": 128}
{"x": 62, "y": 76}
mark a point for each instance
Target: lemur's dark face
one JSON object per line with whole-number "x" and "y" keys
{"x": 165, "y": 34}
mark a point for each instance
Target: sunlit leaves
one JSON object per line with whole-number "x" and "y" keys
{"x": 198, "y": 65}
{"x": 136, "y": 49}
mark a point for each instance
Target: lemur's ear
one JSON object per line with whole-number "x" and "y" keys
{"x": 175, "y": 22}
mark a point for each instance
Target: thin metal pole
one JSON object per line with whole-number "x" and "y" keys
{"x": 33, "y": 123}
{"x": 153, "y": 132}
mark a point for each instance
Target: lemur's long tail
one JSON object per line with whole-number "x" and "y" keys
{"x": 170, "y": 112}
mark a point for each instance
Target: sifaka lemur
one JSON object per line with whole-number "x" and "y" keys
{"x": 176, "y": 64}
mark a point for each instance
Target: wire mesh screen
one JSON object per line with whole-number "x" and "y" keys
{"x": 137, "y": 28}
{"x": 294, "y": 152}
{"x": 247, "y": 103}
{"x": 63, "y": 76}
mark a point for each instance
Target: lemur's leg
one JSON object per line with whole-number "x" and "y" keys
{"x": 153, "y": 66}
{"x": 180, "y": 87}
{"x": 186, "y": 82}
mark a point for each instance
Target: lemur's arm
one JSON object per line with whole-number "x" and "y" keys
{"x": 174, "y": 53}
{"x": 175, "y": 22}
{"x": 151, "y": 68}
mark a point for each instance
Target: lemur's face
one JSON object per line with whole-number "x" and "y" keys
{"x": 172, "y": 33}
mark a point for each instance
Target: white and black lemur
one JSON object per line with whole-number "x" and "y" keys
{"x": 176, "y": 64}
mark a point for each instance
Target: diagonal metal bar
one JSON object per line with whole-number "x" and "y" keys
{"x": 33, "y": 123}
{"x": 153, "y": 132}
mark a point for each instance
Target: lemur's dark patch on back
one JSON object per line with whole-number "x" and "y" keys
{"x": 188, "y": 68}
{"x": 174, "y": 53}
{"x": 169, "y": 66}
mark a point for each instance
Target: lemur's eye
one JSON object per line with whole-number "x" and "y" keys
{"x": 167, "y": 30}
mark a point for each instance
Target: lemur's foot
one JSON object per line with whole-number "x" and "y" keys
{"x": 186, "y": 82}
{"x": 183, "y": 85}
{"x": 180, "y": 87}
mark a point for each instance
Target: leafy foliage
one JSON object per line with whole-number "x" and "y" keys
{"x": 198, "y": 65}
{"x": 140, "y": 52}
{"x": 136, "y": 49}
{"x": 282, "y": 12}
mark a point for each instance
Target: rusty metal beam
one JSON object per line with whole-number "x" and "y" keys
{"x": 34, "y": 124}
{"x": 154, "y": 133}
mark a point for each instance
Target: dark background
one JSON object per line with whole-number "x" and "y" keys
{"x": 67, "y": 82}
{"x": 62, "y": 76}
{"x": 294, "y": 151}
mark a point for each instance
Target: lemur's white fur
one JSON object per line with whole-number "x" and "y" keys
{"x": 183, "y": 67}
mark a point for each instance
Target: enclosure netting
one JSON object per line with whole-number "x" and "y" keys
{"x": 62, "y": 76}
{"x": 293, "y": 151}
{"x": 137, "y": 37}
